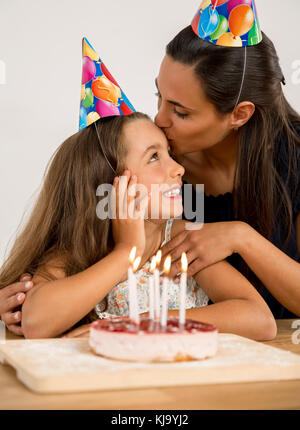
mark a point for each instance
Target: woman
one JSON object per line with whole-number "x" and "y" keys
{"x": 247, "y": 156}
{"x": 79, "y": 256}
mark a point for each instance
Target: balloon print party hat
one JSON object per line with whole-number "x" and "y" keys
{"x": 101, "y": 95}
{"x": 228, "y": 22}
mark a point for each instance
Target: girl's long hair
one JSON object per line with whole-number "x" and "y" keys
{"x": 260, "y": 193}
{"x": 63, "y": 221}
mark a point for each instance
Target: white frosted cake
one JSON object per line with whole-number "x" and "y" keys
{"x": 119, "y": 338}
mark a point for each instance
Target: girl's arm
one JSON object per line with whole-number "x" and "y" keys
{"x": 53, "y": 307}
{"x": 238, "y": 308}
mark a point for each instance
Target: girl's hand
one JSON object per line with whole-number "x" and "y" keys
{"x": 214, "y": 242}
{"x": 12, "y": 298}
{"x": 129, "y": 226}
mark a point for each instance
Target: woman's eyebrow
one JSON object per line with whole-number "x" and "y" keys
{"x": 171, "y": 101}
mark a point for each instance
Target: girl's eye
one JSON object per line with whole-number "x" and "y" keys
{"x": 155, "y": 154}
{"x": 180, "y": 115}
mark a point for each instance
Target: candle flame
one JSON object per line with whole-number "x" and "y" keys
{"x": 158, "y": 257}
{"x": 167, "y": 265}
{"x": 132, "y": 254}
{"x": 136, "y": 263}
{"x": 153, "y": 264}
{"x": 184, "y": 262}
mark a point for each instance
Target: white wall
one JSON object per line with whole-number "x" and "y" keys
{"x": 40, "y": 47}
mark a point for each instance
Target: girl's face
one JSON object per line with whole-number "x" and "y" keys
{"x": 149, "y": 159}
{"x": 190, "y": 122}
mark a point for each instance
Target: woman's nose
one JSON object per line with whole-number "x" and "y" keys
{"x": 162, "y": 119}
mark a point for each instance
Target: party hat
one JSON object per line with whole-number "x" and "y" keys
{"x": 101, "y": 95}
{"x": 228, "y": 22}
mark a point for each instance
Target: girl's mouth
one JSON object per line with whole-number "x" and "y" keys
{"x": 173, "y": 193}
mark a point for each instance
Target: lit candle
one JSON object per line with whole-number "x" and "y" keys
{"x": 164, "y": 309}
{"x": 157, "y": 286}
{"x": 131, "y": 282}
{"x": 151, "y": 288}
{"x": 183, "y": 280}
{"x": 136, "y": 317}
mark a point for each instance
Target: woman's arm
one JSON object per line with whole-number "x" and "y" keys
{"x": 238, "y": 308}
{"x": 215, "y": 242}
{"x": 53, "y": 307}
{"x": 278, "y": 272}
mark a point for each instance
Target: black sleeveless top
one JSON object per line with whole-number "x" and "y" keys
{"x": 221, "y": 208}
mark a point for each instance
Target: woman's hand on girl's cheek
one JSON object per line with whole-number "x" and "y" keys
{"x": 214, "y": 242}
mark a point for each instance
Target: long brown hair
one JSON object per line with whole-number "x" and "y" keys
{"x": 63, "y": 221}
{"x": 260, "y": 193}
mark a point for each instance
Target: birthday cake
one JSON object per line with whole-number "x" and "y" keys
{"x": 121, "y": 339}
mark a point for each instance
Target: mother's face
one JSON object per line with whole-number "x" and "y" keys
{"x": 190, "y": 122}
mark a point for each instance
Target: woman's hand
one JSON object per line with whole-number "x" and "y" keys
{"x": 129, "y": 226}
{"x": 214, "y": 242}
{"x": 12, "y": 298}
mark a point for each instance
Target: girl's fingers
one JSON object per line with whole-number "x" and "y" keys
{"x": 122, "y": 197}
{"x": 142, "y": 206}
{"x": 113, "y": 198}
{"x": 131, "y": 196}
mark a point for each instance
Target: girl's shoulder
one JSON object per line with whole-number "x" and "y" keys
{"x": 52, "y": 268}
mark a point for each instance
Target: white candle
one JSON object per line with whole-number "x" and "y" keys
{"x": 151, "y": 289}
{"x": 136, "y": 316}
{"x": 164, "y": 309}
{"x": 130, "y": 283}
{"x": 183, "y": 282}
{"x": 157, "y": 286}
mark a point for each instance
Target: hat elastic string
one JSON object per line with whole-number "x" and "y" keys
{"x": 243, "y": 78}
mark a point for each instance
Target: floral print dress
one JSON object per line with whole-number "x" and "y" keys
{"x": 117, "y": 298}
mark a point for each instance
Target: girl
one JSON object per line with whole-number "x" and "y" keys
{"x": 245, "y": 150}
{"x": 78, "y": 260}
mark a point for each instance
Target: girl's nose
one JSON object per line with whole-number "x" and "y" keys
{"x": 176, "y": 170}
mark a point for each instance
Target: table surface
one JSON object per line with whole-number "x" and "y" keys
{"x": 258, "y": 395}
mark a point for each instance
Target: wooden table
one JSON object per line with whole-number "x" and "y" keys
{"x": 262, "y": 395}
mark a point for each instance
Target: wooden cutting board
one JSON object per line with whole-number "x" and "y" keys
{"x": 68, "y": 365}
